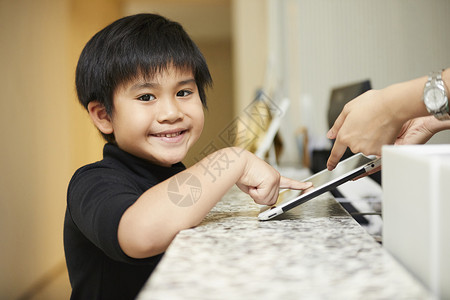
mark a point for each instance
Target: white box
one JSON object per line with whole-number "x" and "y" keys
{"x": 416, "y": 212}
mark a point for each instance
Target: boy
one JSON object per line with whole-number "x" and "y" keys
{"x": 143, "y": 82}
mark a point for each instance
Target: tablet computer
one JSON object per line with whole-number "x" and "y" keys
{"x": 322, "y": 181}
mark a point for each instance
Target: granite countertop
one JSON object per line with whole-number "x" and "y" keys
{"x": 315, "y": 251}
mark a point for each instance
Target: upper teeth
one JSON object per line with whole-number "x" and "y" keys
{"x": 168, "y": 134}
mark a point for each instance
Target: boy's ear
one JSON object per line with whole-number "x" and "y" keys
{"x": 100, "y": 117}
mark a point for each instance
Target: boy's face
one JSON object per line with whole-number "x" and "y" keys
{"x": 158, "y": 119}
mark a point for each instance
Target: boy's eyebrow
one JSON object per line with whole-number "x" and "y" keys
{"x": 187, "y": 81}
{"x": 141, "y": 85}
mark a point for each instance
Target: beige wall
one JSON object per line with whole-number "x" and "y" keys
{"x": 34, "y": 136}
{"x": 250, "y": 49}
{"x": 46, "y": 134}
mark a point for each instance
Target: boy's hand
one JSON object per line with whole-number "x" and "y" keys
{"x": 262, "y": 182}
{"x": 149, "y": 225}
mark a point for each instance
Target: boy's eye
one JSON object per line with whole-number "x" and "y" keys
{"x": 146, "y": 97}
{"x": 183, "y": 93}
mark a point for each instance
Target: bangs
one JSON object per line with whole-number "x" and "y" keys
{"x": 151, "y": 50}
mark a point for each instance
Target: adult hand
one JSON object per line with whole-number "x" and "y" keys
{"x": 387, "y": 116}
{"x": 364, "y": 125}
{"x": 420, "y": 130}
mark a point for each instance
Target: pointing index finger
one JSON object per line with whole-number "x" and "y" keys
{"x": 337, "y": 152}
{"x": 288, "y": 183}
{"x": 338, "y": 149}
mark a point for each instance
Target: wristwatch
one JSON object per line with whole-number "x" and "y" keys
{"x": 435, "y": 96}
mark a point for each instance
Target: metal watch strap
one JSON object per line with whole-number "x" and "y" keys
{"x": 444, "y": 113}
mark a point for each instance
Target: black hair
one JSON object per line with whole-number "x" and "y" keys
{"x": 133, "y": 46}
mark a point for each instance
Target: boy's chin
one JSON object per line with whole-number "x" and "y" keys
{"x": 167, "y": 162}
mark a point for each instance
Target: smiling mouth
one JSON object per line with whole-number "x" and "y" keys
{"x": 169, "y": 135}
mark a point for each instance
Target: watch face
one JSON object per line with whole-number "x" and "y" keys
{"x": 434, "y": 99}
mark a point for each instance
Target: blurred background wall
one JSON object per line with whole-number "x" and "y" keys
{"x": 302, "y": 47}
{"x": 44, "y": 135}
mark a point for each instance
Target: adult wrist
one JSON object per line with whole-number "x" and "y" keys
{"x": 406, "y": 99}
{"x": 395, "y": 102}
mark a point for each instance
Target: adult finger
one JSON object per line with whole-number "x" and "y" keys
{"x": 334, "y": 130}
{"x": 337, "y": 152}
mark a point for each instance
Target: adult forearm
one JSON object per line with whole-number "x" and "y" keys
{"x": 406, "y": 98}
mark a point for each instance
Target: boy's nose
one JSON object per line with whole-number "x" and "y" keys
{"x": 169, "y": 111}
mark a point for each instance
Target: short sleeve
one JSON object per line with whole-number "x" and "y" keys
{"x": 97, "y": 199}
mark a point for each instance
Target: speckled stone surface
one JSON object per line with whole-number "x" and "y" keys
{"x": 316, "y": 251}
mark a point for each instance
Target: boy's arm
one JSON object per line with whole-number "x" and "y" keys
{"x": 150, "y": 224}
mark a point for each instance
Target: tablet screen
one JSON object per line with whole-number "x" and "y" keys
{"x": 326, "y": 177}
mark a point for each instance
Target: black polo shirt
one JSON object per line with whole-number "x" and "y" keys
{"x": 98, "y": 195}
